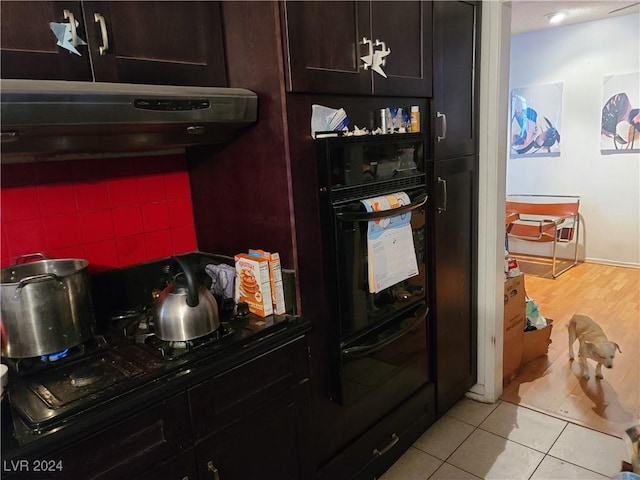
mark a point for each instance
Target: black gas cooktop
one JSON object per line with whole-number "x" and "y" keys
{"x": 46, "y": 391}
{"x": 126, "y": 357}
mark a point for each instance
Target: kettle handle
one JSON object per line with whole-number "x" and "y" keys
{"x": 192, "y": 284}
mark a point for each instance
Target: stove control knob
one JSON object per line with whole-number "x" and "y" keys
{"x": 242, "y": 309}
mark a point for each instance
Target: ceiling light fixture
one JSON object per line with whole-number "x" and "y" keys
{"x": 557, "y": 17}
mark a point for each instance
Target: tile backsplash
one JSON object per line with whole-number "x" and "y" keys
{"x": 113, "y": 212}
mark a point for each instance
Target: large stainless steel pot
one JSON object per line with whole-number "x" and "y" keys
{"x": 46, "y": 307}
{"x": 185, "y": 311}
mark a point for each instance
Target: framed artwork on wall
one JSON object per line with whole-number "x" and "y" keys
{"x": 536, "y": 113}
{"x": 620, "y": 123}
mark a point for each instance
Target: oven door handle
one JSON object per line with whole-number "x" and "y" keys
{"x": 364, "y": 350}
{"x": 366, "y": 216}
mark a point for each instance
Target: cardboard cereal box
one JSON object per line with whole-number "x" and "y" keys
{"x": 253, "y": 284}
{"x": 275, "y": 275}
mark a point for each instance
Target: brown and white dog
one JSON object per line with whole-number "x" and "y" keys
{"x": 593, "y": 344}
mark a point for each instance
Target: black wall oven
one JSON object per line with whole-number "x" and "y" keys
{"x": 379, "y": 321}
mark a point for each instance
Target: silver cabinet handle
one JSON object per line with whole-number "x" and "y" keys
{"x": 443, "y": 182}
{"x": 103, "y": 30}
{"x": 383, "y": 62}
{"x": 72, "y": 22}
{"x": 444, "y": 126}
{"x": 212, "y": 468}
{"x": 394, "y": 440}
{"x": 367, "y": 60}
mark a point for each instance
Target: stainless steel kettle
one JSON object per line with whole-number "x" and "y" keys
{"x": 185, "y": 312}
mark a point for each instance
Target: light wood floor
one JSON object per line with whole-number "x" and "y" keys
{"x": 552, "y": 384}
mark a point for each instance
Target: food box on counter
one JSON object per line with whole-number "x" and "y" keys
{"x": 253, "y": 284}
{"x": 275, "y": 276}
{"x": 513, "y": 327}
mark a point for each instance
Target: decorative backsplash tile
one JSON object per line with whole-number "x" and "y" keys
{"x": 113, "y": 212}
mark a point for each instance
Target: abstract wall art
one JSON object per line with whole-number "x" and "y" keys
{"x": 536, "y": 113}
{"x": 620, "y": 123}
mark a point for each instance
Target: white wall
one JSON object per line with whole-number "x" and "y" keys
{"x": 580, "y": 56}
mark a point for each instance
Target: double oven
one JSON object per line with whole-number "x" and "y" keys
{"x": 375, "y": 276}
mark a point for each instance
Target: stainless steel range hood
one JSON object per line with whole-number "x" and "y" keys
{"x": 50, "y": 117}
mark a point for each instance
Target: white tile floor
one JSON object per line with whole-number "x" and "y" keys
{"x": 507, "y": 442}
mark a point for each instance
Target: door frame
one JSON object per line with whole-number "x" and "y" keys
{"x": 495, "y": 46}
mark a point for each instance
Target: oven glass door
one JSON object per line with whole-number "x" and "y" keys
{"x": 392, "y": 358}
{"x": 359, "y": 310}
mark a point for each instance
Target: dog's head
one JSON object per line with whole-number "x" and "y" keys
{"x": 603, "y": 352}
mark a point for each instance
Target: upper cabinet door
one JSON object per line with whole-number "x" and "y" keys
{"x": 164, "y": 43}
{"x": 322, "y": 46}
{"x": 28, "y": 46}
{"x": 405, "y": 28}
{"x": 325, "y": 42}
{"x": 455, "y": 82}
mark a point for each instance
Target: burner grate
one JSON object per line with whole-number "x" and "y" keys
{"x": 172, "y": 350}
{"x": 31, "y": 365}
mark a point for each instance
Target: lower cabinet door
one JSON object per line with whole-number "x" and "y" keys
{"x": 180, "y": 467}
{"x": 269, "y": 443}
{"x": 455, "y": 253}
{"x": 130, "y": 447}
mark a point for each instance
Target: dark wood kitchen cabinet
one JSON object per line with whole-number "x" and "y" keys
{"x": 314, "y": 66}
{"x": 251, "y": 420}
{"x": 254, "y": 420}
{"x": 324, "y": 44}
{"x": 128, "y": 448}
{"x": 455, "y": 79}
{"x": 266, "y": 444}
{"x": 179, "y": 467}
{"x": 455, "y": 272}
{"x": 172, "y": 43}
{"x": 455, "y": 192}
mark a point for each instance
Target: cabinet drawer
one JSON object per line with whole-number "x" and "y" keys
{"x": 234, "y": 394}
{"x": 379, "y": 447}
{"x": 180, "y": 467}
{"x": 127, "y": 448}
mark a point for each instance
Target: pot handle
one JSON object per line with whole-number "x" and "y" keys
{"x": 22, "y": 258}
{"x": 35, "y": 279}
{"x": 192, "y": 284}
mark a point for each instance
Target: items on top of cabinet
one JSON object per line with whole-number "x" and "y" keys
{"x": 415, "y": 119}
{"x": 329, "y": 122}
{"x": 327, "y": 119}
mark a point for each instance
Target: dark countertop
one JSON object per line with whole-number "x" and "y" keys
{"x": 254, "y": 337}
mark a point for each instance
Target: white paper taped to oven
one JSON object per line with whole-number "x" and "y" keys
{"x": 390, "y": 248}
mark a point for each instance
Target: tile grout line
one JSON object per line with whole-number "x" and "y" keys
{"x": 576, "y": 465}
{"x": 477, "y": 427}
{"x": 544, "y": 454}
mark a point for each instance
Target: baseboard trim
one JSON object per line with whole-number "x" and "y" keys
{"x": 612, "y": 263}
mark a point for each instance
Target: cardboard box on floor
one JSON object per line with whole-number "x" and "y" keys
{"x": 513, "y": 329}
{"x": 536, "y": 342}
